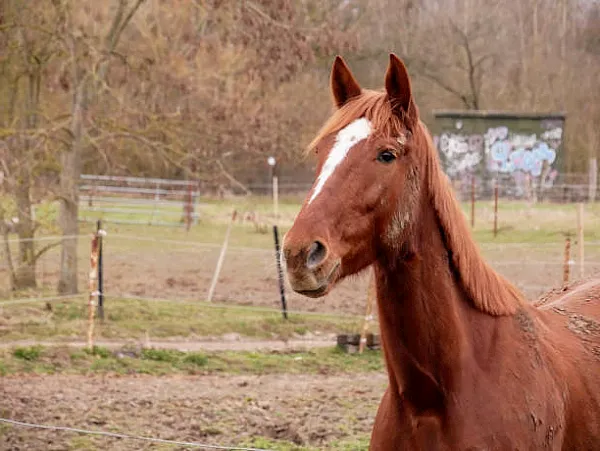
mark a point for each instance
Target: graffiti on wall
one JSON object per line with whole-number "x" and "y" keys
{"x": 520, "y": 156}
{"x": 462, "y": 153}
{"x": 509, "y": 153}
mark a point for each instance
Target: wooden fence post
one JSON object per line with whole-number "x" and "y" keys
{"x": 276, "y": 196}
{"x": 529, "y": 192}
{"x": 93, "y": 290}
{"x": 215, "y": 278}
{"x": 593, "y": 180}
{"x": 580, "y": 242}
{"x": 280, "y": 273}
{"x": 473, "y": 201}
{"x": 100, "y": 233}
{"x": 368, "y": 314}
{"x": 188, "y": 207}
{"x": 495, "y": 208}
{"x": 567, "y": 261}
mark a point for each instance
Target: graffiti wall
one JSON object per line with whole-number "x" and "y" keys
{"x": 515, "y": 149}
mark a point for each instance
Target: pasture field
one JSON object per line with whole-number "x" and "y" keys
{"x": 232, "y": 372}
{"x": 170, "y": 263}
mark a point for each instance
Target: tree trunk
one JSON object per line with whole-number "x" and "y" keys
{"x": 69, "y": 194}
{"x": 25, "y": 271}
{"x": 6, "y": 247}
{"x": 86, "y": 87}
{"x": 70, "y": 162}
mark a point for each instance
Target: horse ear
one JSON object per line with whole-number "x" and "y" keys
{"x": 397, "y": 86}
{"x": 343, "y": 84}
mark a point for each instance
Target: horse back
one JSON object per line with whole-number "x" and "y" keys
{"x": 577, "y": 310}
{"x": 573, "y": 319}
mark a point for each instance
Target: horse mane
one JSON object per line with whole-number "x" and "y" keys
{"x": 488, "y": 291}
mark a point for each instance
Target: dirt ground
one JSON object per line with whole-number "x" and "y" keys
{"x": 309, "y": 410}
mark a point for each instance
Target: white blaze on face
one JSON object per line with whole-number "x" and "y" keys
{"x": 346, "y": 138}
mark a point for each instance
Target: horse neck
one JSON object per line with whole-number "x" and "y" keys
{"x": 439, "y": 302}
{"x": 422, "y": 308}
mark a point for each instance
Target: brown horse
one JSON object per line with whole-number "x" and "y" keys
{"x": 472, "y": 365}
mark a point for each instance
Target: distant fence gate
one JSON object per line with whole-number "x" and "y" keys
{"x": 139, "y": 200}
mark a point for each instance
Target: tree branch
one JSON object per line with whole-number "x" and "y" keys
{"x": 113, "y": 34}
{"x": 472, "y": 84}
{"x": 127, "y": 20}
{"x": 232, "y": 179}
{"x": 448, "y": 88}
{"x": 250, "y": 5}
{"x": 45, "y": 249}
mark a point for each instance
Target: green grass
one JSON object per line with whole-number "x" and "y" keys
{"x": 162, "y": 362}
{"x": 214, "y": 216}
{"x": 515, "y": 225}
{"x": 29, "y": 353}
{"x": 275, "y": 445}
{"x": 135, "y": 319}
{"x": 211, "y": 210}
{"x": 242, "y": 235}
{"x": 543, "y": 222}
{"x": 517, "y": 222}
{"x": 358, "y": 444}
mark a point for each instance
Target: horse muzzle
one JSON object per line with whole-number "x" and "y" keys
{"x": 312, "y": 269}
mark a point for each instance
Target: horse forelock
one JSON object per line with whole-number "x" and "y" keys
{"x": 372, "y": 105}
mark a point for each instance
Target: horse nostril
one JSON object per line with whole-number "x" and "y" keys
{"x": 316, "y": 254}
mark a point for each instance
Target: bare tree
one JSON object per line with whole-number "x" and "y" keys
{"x": 30, "y": 35}
{"x": 86, "y": 84}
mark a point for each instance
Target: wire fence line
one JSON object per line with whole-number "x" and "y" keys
{"x": 34, "y": 300}
{"x": 256, "y": 308}
{"x": 113, "y": 235}
{"x": 118, "y": 236}
{"x": 201, "y": 304}
{"x": 47, "y": 238}
{"x": 537, "y": 262}
{"x": 566, "y": 185}
{"x": 191, "y": 243}
{"x": 180, "y": 270}
{"x": 486, "y": 246}
{"x": 118, "y": 435}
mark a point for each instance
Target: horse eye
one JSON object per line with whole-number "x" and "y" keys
{"x": 386, "y": 156}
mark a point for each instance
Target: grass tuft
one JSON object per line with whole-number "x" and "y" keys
{"x": 29, "y": 353}
{"x": 65, "y": 360}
